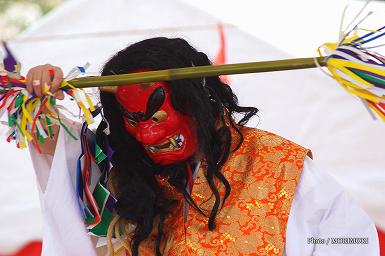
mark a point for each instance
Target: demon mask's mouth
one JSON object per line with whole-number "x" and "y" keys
{"x": 171, "y": 144}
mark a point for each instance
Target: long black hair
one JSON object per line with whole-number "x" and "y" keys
{"x": 207, "y": 100}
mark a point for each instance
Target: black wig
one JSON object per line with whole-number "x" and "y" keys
{"x": 207, "y": 100}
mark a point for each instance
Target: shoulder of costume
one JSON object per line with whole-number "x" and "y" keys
{"x": 269, "y": 139}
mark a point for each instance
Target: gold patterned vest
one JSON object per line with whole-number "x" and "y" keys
{"x": 263, "y": 174}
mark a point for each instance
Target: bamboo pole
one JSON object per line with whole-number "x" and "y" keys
{"x": 194, "y": 72}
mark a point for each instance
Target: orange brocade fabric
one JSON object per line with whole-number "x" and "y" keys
{"x": 263, "y": 174}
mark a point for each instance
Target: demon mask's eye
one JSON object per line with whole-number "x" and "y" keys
{"x": 159, "y": 116}
{"x": 154, "y": 102}
{"x": 131, "y": 122}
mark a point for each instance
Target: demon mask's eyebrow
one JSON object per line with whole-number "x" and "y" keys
{"x": 155, "y": 101}
{"x": 130, "y": 115}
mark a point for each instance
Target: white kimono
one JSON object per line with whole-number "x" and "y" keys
{"x": 320, "y": 212}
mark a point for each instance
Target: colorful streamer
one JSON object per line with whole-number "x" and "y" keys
{"x": 30, "y": 118}
{"x": 359, "y": 70}
{"x": 92, "y": 171}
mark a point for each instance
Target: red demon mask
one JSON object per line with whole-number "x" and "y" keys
{"x": 167, "y": 135}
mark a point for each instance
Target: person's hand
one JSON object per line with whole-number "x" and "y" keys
{"x": 46, "y": 80}
{"x": 45, "y": 77}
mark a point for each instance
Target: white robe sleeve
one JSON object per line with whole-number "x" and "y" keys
{"x": 64, "y": 232}
{"x": 321, "y": 211}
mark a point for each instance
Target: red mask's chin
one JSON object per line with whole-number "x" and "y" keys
{"x": 167, "y": 135}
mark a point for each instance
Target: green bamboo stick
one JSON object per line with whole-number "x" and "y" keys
{"x": 194, "y": 72}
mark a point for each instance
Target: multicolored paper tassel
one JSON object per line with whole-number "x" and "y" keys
{"x": 30, "y": 118}
{"x": 358, "y": 69}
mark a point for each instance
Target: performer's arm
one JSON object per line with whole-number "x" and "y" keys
{"x": 52, "y": 77}
{"x": 324, "y": 220}
{"x": 64, "y": 232}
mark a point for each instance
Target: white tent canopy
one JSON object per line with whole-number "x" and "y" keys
{"x": 304, "y": 105}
